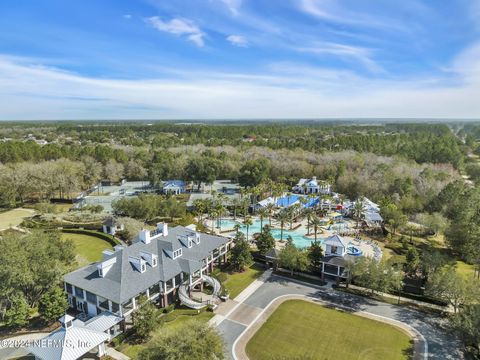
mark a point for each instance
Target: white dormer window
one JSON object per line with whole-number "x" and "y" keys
{"x": 177, "y": 253}
{"x": 154, "y": 262}
{"x": 144, "y": 268}
{"x": 100, "y": 272}
{"x": 190, "y": 243}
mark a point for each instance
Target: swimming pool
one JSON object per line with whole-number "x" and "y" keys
{"x": 287, "y": 201}
{"x": 298, "y": 236}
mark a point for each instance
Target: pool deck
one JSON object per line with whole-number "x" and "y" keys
{"x": 299, "y": 233}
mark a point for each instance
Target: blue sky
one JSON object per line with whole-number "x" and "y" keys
{"x": 200, "y": 59}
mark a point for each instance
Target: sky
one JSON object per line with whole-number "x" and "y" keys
{"x": 239, "y": 59}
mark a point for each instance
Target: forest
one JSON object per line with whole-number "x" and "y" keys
{"x": 423, "y": 176}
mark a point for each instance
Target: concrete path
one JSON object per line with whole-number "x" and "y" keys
{"x": 249, "y": 306}
{"x": 117, "y": 355}
{"x": 16, "y": 347}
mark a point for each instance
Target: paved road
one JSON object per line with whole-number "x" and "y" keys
{"x": 441, "y": 345}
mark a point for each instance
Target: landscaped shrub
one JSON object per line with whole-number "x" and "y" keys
{"x": 169, "y": 308}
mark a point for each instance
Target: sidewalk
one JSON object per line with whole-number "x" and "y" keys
{"x": 116, "y": 354}
{"x": 228, "y": 307}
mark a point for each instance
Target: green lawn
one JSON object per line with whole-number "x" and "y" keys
{"x": 236, "y": 282}
{"x": 14, "y": 217}
{"x": 464, "y": 269}
{"x": 87, "y": 248}
{"x": 300, "y": 329}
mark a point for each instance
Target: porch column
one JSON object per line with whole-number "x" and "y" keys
{"x": 101, "y": 349}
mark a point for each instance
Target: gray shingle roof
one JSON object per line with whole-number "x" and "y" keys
{"x": 123, "y": 280}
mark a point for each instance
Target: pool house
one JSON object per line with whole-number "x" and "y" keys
{"x": 336, "y": 257}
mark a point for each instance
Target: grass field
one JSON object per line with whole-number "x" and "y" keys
{"x": 236, "y": 282}
{"x": 13, "y": 217}
{"x": 464, "y": 269}
{"x": 303, "y": 330}
{"x": 87, "y": 248}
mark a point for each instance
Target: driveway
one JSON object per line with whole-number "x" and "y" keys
{"x": 246, "y": 310}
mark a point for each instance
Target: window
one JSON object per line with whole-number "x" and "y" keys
{"x": 155, "y": 289}
{"x": 115, "y": 307}
{"x": 78, "y": 292}
{"x": 69, "y": 288}
{"x": 177, "y": 253}
{"x": 92, "y": 298}
{"x": 103, "y": 303}
{"x": 100, "y": 272}
{"x": 154, "y": 261}
{"x": 143, "y": 268}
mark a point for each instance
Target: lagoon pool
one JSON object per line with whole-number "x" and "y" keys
{"x": 298, "y": 236}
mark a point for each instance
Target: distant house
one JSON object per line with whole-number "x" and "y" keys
{"x": 336, "y": 257}
{"x": 372, "y": 219}
{"x": 312, "y": 186}
{"x": 111, "y": 225}
{"x": 174, "y": 187}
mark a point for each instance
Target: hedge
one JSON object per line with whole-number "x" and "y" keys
{"x": 109, "y": 238}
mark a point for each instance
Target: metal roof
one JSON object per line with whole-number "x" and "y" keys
{"x": 67, "y": 344}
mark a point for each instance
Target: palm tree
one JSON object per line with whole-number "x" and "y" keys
{"x": 316, "y": 223}
{"x": 237, "y": 227}
{"x": 282, "y": 218}
{"x": 236, "y": 203}
{"x": 254, "y": 193}
{"x": 291, "y": 215}
{"x": 270, "y": 208}
{"x": 358, "y": 209}
{"x": 309, "y": 213}
{"x": 262, "y": 213}
{"x": 248, "y": 222}
{"x": 245, "y": 204}
{"x": 220, "y": 211}
{"x": 213, "y": 215}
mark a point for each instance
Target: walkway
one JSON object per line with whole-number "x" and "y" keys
{"x": 235, "y": 316}
{"x": 16, "y": 346}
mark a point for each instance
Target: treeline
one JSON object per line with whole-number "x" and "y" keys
{"x": 407, "y": 184}
{"x": 434, "y": 143}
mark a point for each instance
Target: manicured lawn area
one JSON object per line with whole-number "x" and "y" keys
{"x": 132, "y": 350}
{"x": 87, "y": 248}
{"x": 300, "y": 329}
{"x": 13, "y": 217}
{"x": 236, "y": 282}
{"x": 464, "y": 269}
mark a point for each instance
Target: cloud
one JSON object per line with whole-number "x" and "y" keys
{"x": 238, "y": 40}
{"x": 127, "y": 16}
{"x": 179, "y": 27}
{"x": 332, "y": 10}
{"x": 233, "y": 5}
{"x": 32, "y": 91}
{"x": 356, "y": 53}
